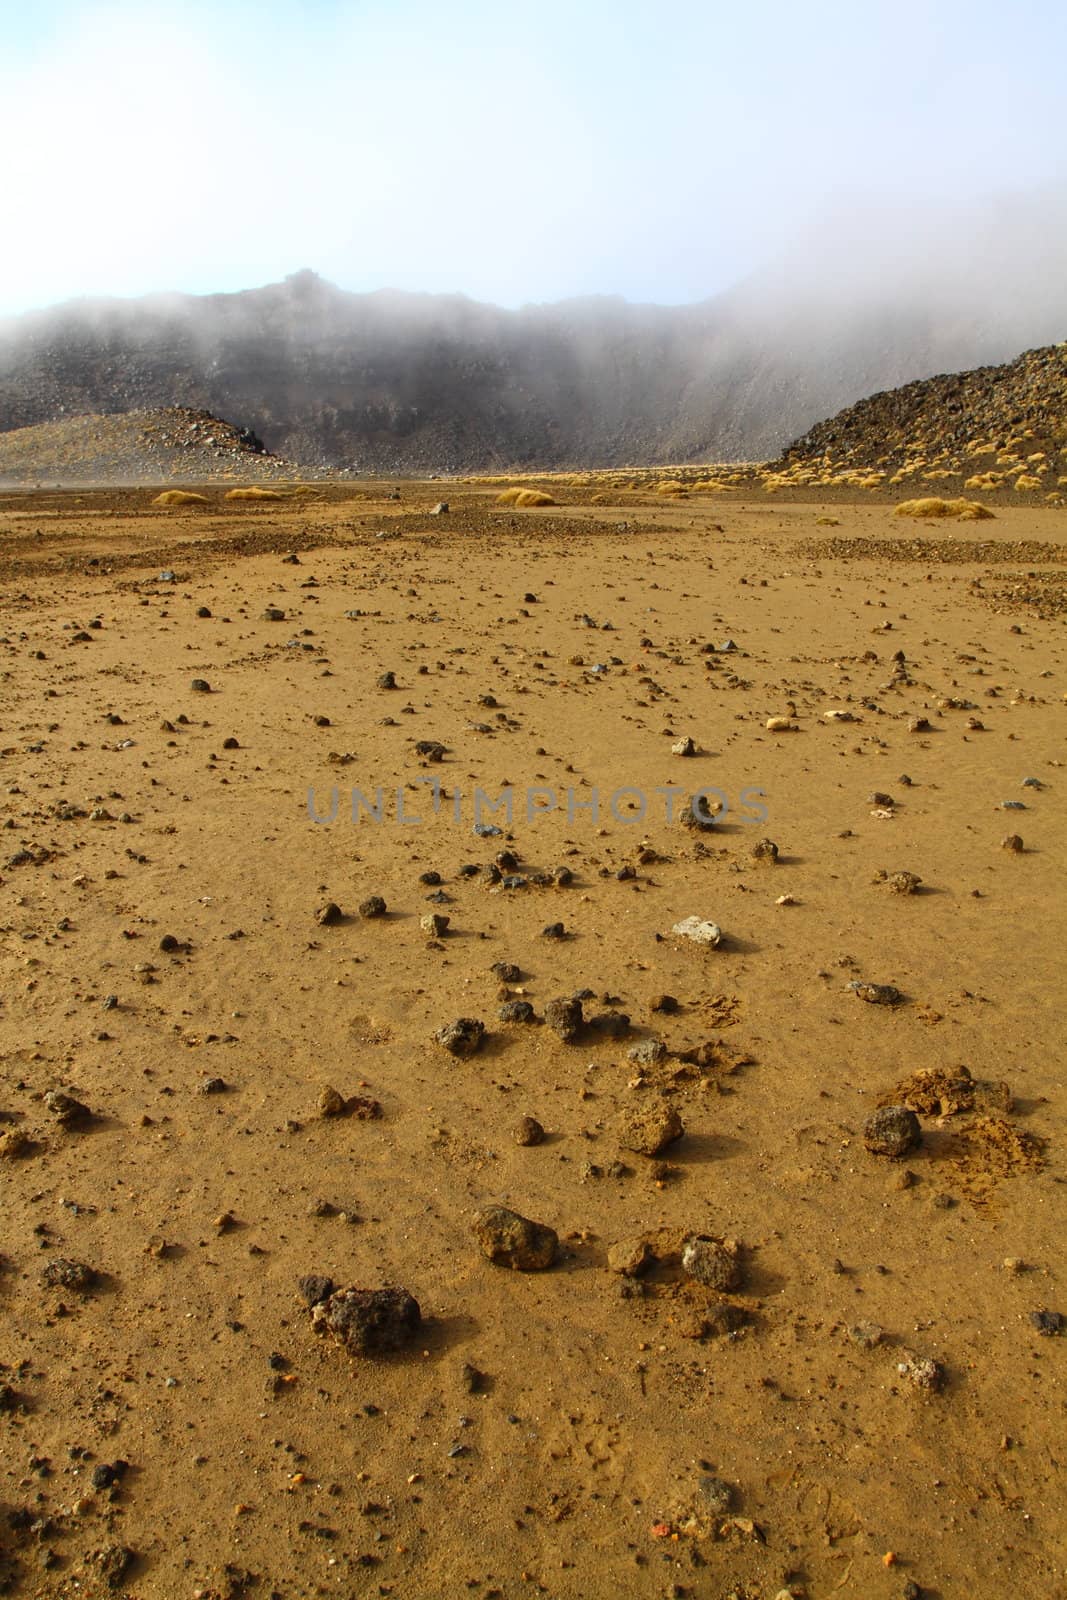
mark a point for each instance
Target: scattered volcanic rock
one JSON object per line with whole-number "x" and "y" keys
{"x": 511, "y": 1240}
{"x": 699, "y": 931}
{"x": 463, "y": 1037}
{"x": 368, "y": 1321}
{"x": 892, "y": 1131}
{"x": 64, "y": 1273}
{"x": 650, "y": 1125}
{"x": 564, "y": 1017}
{"x": 716, "y": 1263}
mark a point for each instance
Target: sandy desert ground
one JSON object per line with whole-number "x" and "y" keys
{"x": 875, "y": 1408}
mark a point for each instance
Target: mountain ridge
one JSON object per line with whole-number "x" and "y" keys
{"x": 393, "y": 381}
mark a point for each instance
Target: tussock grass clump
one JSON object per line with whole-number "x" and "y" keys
{"x": 524, "y": 497}
{"x": 670, "y": 486}
{"x": 1025, "y": 482}
{"x": 180, "y": 497}
{"x": 252, "y": 492}
{"x": 962, "y": 510}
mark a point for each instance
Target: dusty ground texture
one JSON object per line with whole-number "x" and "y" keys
{"x": 857, "y": 1399}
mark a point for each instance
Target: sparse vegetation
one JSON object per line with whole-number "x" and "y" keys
{"x": 524, "y": 497}
{"x": 180, "y": 497}
{"x": 962, "y": 510}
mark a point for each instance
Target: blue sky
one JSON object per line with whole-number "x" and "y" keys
{"x": 513, "y": 153}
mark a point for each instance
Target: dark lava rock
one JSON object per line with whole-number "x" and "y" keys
{"x": 315, "y": 1288}
{"x": 200, "y": 686}
{"x": 329, "y": 915}
{"x": 516, "y": 1011}
{"x": 511, "y": 1240}
{"x": 463, "y": 1037}
{"x": 1047, "y": 1322}
{"x": 700, "y": 813}
{"x": 529, "y": 1132}
{"x": 717, "y": 1495}
{"x": 610, "y": 1024}
{"x": 715, "y": 1321}
{"x": 876, "y": 994}
{"x": 665, "y": 1003}
{"x": 892, "y": 1131}
{"x": 63, "y": 1273}
{"x": 214, "y": 1086}
{"x": 555, "y": 930}
{"x": 231, "y": 743}
{"x": 474, "y": 1380}
{"x": 430, "y": 750}
{"x": 373, "y": 906}
{"x": 67, "y": 1111}
{"x": 506, "y": 971}
{"x": 764, "y": 850}
{"x": 367, "y": 1321}
{"x": 564, "y": 1017}
{"x": 387, "y": 680}
{"x": 431, "y": 879}
{"x": 113, "y": 1564}
{"x": 716, "y": 1263}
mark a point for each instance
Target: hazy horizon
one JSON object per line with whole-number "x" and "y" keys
{"x": 902, "y": 152}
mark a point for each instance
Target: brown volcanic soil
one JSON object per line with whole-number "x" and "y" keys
{"x": 261, "y": 1457}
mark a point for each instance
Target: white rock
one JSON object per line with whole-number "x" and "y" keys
{"x": 699, "y": 930}
{"x": 780, "y": 725}
{"x": 838, "y": 716}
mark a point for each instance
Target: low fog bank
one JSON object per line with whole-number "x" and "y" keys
{"x": 870, "y": 298}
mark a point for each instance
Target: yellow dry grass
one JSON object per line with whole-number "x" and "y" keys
{"x": 252, "y": 492}
{"x": 524, "y": 497}
{"x": 962, "y": 510}
{"x": 180, "y": 497}
{"x": 1027, "y": 481}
